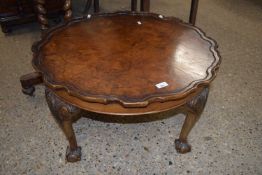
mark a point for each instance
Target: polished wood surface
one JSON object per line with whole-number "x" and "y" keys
{"x": 121, "y": 57}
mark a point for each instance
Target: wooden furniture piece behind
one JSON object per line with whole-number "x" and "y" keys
{"x": 14, "y": 12}
{"x": 145, "y": 6}
{"x": 123, "y": 64}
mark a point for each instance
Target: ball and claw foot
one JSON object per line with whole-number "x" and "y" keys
{"x": 73, "y": 155}
{"x": 182, "y": 147}
{"x": 29, "y": 91}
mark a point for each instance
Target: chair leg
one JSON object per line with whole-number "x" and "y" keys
{"x": 133, "y": 5}
{"x": 5, "y": 28}
{"x": 41, "y": 14}
{"x": 65, "y": 114}
{"x": 87, "y": 7}
{"x": 145, "y": 5}
{"x": 193, "y": 12}
{"x": 193, "y": 109}
{"x": 96, "y": 6}
{"x": 29, "y": 81}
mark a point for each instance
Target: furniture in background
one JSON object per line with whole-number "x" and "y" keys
{"x": 14, "y": 12}
{"x": 122, "y": 65}
{"x": 145, "y": 6}
{"x": 88, "y": 6}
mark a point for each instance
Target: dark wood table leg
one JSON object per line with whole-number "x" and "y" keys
{"x": 193, "y": 12}
{"x": 65, "y": 114}
{"x": 133, "y": 5}
{"x": 29, "y": 81}
{"x": 87, "y": 7}
{"x": 145, "y": 5}
{"x": 193, "y": 110}
{"x": 96, "y": 6}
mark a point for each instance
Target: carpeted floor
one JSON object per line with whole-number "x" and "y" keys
{"x": 226, "y": 140}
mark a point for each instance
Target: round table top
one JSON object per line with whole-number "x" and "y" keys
{"x": 132, "y": 59}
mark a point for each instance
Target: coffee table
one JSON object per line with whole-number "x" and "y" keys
{"x": 123, "y": 64}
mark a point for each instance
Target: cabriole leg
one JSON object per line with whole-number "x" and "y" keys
{"x": 193, "y": 110}
{"x": 65, "y": 114}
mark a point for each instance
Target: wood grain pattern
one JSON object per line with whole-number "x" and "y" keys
{"x": 111, "y": 58}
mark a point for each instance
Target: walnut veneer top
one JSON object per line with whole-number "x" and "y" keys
{"x": 121, "y": 57}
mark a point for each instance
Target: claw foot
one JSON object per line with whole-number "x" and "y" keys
{"x": 73, "y": 155}
{"x": 182, "y": 147}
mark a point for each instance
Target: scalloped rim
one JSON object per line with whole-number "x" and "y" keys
{"x": 181, "y": 93}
